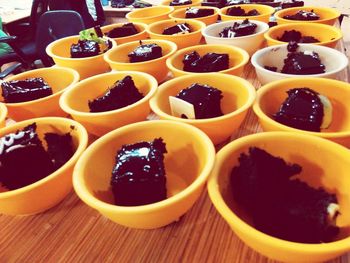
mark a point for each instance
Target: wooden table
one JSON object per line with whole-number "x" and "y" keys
{"x": 73, "y": 232}
{"x": 14, "y": 10}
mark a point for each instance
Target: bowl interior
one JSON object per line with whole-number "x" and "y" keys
{"x": 78, "y": 97}
{"x": 321, "y": 165}
{"x": 323, "y": 13}
{"x": 181, "y": 13}
{"x": 61, "y": 47}
{"x": 159, "y": 27}
{"x": 184, "y": 161}
{"x": 149, "y": 12}
{"x": 337, "y": 92}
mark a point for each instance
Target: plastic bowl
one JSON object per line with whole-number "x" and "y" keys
{"x": 188, "y": 163}
{"x": 275, "y": 55}
{"x": 118, "y": 58}
{"x": 149, "y": 15}
{"x": 238, "y": 58}
{"x": 328, "y": 35}
{"x": 238, "y": 97}
{"x": 324, "y": 164}
{"x": 49, "y": 191}
{"x": 194, "y": 3}
{"x": 264, "y": 10}
{"x": 59, "y": 50}
{"x": 208, "y": 20}
{"x": 156, "y": 29}
{"x": 327, "y": 15}
{"x": 59, "y": 79}
{"x": 3, "y": 115}
{"x": 250, "y": 43}
{"x": 271, "y": 96}
{"x": 141, "y": 28}
{"x": 75, "y": 102}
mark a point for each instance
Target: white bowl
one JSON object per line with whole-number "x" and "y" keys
{"x": 334, "y": 61}
{"x": 250, "y": 43}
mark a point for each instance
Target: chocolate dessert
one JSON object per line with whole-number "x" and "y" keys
{"x": 24, "y": 160}
{"x": 210, "y": 62}
{"x": 145, "y": 52}
{"x": 129, "y": 3}
{"x": 294, "y": 35}
{"x": 127, "y": 29}
{"x": 193, "y": 12}
{"x": 84, "y": 49}
{"x": 239, "y": 11}
{"x": 280, "y": 205}
{"x": 303, "y": 15}
{"x": 138, "y": 177}
{"x": 239, "y": 29}
{"x": 204, "y": 98}
{"x": 180, "y": 2}
{"x": 121, "y": 94}
{"x": 292, "y": 3}
{"x": 15, "y": 91}
{"x": 178, "y": 29}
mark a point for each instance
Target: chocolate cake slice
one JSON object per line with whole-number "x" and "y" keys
{"x": 121, "y": 94}
{"x": 294, "y": 35}
{"x": 205, "y": 99}
{"x": 15, "y": 91}
{"x": 84, "y": 49}
{"x": 239, "y": 11}
{"x": 145, "y": 52}
{"x": 239, "y": 29}
{"x": 210, "y": 62}
{"x": 180, "y": 2}
{"x": 303, "y": 15}
{"x": 125, "y": 30}
{"x": 182, "y": 28}
{"x": 193, "y": 12}
{"x": 292, "y": 3}
{"x": 138, "y": 177}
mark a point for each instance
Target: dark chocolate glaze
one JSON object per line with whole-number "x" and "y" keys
{"x": 193, "y": 12}
{"x": 182, "y": 28}
{"x": 145, "y": 52}
{"x": 84, "y": 49}
{"x": 294, "y": 35}
{"x": 239, "y": 11}
{"x": 180, "y": 2}
{"x": 210, "y": 62}
{"x": 303, "y": 15}
{"x": 239, "y": 29}
{"x": 125, "y": 30}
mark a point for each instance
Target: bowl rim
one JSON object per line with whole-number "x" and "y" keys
{"x": 245, "y": 60}
{"x": 317, "y": 26}
{"x": 229, "y": 216}
{"x": 318, "y": 48}
{"x": 67, "y": 108}
{"x": 275, "y": 85}
{"x": 87, "y": 59}
{"x": 170, "y": 44}
{"x": 167, "y": 85}
{"x": 76, "y": 78}
{"x": 183, "y": 10}
{"x": 269, "y": 10}
{"x": 264, "y": 29}
{"x": 83, "y": 142}
{"x": 175, "y": 20}
{"x": 114, "y": 25}
{"x": 3, "y": 111}
{"x": 278, "y": 15}
{"x": 167, "y": 2}
{"x": 84, "y": 194}
{"x": 131, "y": 14}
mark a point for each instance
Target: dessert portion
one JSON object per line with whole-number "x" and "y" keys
{"x": 125, "y": 30}
{"x": 180, "y": 2}
{"x": 129, "y": 3}
{"x": 15, "y": 91}
{"x": 291, "y": 3}
{"x": 178, "y": 29}
{"x": 24, "y": 159}
{"x": 239, "y": 11}
{"x": 305, "y": 109}
{"x": 205, "y": 100}
{"x": 138, "y": 177}
{"x": 239, "y": 29}
{"x": 210, "y": 62}
{"x": 303, "y": 15}
{"x": 121, "y": 94}
{"x": 274, "y": 3}
{"x": 145, "y": 52}
{"x": 193, "y": 12}
{"x": 91, "y": 43}
{"x": 280, "y": 205}
{"x": 296, "y": 36}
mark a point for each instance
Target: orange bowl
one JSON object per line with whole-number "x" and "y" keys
{"x": 141, "y": 28}
{"x": 194, "y": 3}
{"x": 264, "y": 10}
{"x": 3, "y": 115}
{"x": 208, "y": 20}
{"x": 149, "y": 15}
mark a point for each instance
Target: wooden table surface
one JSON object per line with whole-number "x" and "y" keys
{"x": 73, "y": 232}
{"x": 14, "y": 10}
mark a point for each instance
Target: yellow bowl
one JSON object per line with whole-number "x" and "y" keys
{"x": 328, "y": 35}
{"x": 75, "y": 102}
{"x": 156, "y": 29}
{"x": 141, "y": 28}
{"x": 188, "y": 162}
{"x": 3, "y": 115}
{"x": 238, "y": 58}
{"x": 208, "y": 20}
{"x": 59, "y": 50}
{"x": 59, "y": 79}
{"x": 118, "y": 58}
{"x": 324, "y": 164}
{"x": 238, "y": 97}
{"x": 271, "y": 96}
{"x": 49, "y": 191}
{"x": 327, "y": 15}
{"x": 264, "y": 10}
{"x": 194, "y": 3}
{"x": 149, "y": 15}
